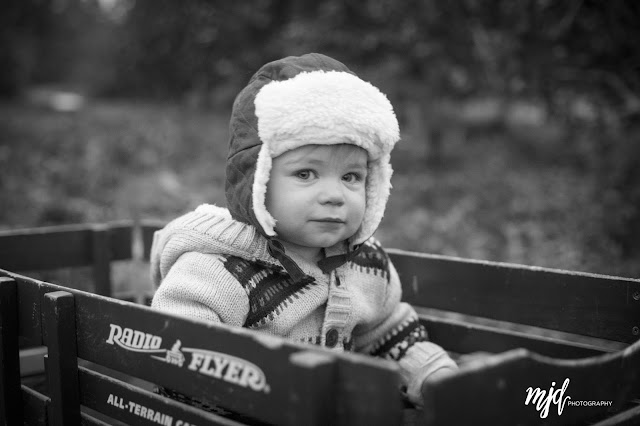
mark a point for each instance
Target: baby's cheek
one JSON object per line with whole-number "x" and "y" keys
{"x": 357, "y": 211}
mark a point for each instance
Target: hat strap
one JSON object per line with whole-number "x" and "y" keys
{"x": 276, "y": 249}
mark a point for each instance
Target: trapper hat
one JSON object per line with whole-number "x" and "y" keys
{"x": 297, "y": 101}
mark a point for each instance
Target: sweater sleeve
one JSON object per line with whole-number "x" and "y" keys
{"x": 400, "y": 337}
{"x": 198, "y": 285}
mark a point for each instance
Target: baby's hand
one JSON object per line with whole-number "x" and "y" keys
{"x": 444, "y": 372}
{"x": 436, "y": 375}
{"x": 472, "y": 357}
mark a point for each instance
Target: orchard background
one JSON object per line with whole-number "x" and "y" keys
{"x": 520, "y": 119}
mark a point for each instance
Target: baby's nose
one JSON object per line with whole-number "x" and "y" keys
{"x": 331, "y": 193}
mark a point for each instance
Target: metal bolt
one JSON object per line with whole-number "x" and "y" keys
{"x": 635, "y": 330}
{"x": 636, "y": 295}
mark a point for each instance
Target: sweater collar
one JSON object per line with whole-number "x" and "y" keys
{"x": 213, "y": 231}
{"x": 335, "y": 257}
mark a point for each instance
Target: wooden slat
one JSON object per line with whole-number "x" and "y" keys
{"x": 60, "y": 246}
{"x": 588, "y": 304}
{"x": 465, "y": 334}
{"x": 630, "y": 417}
{"x": 30, "y": 294}
{"x": 29, "y": 314}
{"x": 34, "y": 407}
{"x": 10, "y": 395}
{"x": 87, "y": 419}
{"x": 101, "y": 259}
{"x": 368, "y": 392}
{"x": 493, "y": 391}
{"x": 312, "y": 397}
{"x": 32, "y": 360}
{"x": 132, "y": 405}
{"x": 61, "y": 362}
{"x": 148, "y": 229}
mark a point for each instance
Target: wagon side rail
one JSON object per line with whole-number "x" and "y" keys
{"x": 126, "y": 349}
{"x": 20, "y": 318}
{"x": 590, "y": 320}
{"x": 538, "y": 321}
{"x": 69, "y": 246}
{"x": 547, "y": 328}
{"x": 519, "y": 384}
{"x": 596, "y": 312}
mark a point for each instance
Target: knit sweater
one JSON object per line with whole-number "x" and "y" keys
{"x": 210, "y": 266}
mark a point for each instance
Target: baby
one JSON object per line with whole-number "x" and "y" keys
{"x": 308, "y": 178}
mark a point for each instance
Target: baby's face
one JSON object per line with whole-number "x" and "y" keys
{"x": 316, "y": 193}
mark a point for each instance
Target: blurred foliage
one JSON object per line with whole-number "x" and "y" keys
{"x": 167, "y": 48}
{"x": 118, "y": 160}
{"x": 554, "y": 84}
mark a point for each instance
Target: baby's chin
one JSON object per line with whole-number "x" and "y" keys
{"x": 322, "y": 241}
{"x": 328, "y": 239}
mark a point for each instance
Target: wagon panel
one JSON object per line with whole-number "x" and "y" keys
{"x": 587, "y": 304}
{"x": 234, "y": 368}
{"x": 466, "y": 305}
{"x": 495, "y": 391}
{"x": 62, "y": 246}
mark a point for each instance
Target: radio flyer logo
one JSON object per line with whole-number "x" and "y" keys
{"x": 218, "y": 365}
{"x": 228, "y": 368}
{"x": 173, "y": 356}
{"x": 542, "y": 399}
{"x": 134, "y": 340}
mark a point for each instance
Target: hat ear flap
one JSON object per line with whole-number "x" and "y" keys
{"x": 377, "y": 194}
{"x": 259, "y": 191}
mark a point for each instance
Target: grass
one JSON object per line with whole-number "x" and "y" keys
{"x": 488, "y": 198}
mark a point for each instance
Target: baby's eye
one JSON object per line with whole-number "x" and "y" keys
{"x": 352, "y": 177}
{"x": 304, "y": 174}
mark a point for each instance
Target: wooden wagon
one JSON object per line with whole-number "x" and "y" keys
{"x": 562, "y": 347}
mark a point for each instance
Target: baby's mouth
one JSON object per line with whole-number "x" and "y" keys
{"x": 329, "y": 220}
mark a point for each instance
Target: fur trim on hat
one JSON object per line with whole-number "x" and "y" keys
{"x": 326, "y": 108}
{"x": 263, "y": 169}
